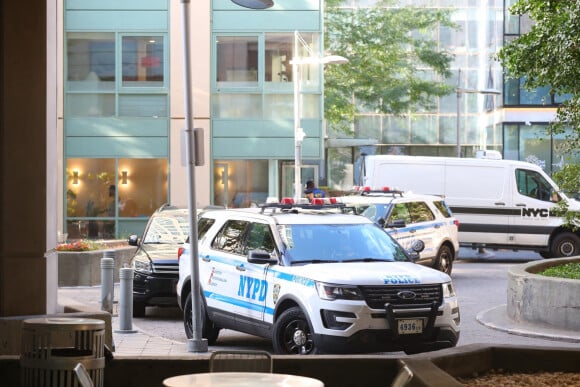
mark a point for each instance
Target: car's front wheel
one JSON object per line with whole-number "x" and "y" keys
{"x": 566, "y": 244}
{"x": 293, "y": 334}
{"x": 444, "y": 260}
{"x": 208, "y": 330}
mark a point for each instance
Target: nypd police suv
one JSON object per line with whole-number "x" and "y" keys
{"x": 408, "y": 217}
{"x": 315, "y": 280}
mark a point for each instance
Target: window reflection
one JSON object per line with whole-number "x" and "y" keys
{"x": 99, "y": 191}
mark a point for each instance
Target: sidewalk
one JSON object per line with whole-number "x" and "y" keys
{"x": 127, "y": 343}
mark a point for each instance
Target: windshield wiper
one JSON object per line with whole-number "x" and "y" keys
{"x": 368, "y": 260}
{"x": 313, "y": 261}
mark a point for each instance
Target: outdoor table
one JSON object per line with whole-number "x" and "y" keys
{"x": 241, "y": 379}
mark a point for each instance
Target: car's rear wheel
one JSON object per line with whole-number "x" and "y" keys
{"x": 444, "y": 260}
{"x": 208, "y": 330}
{"x": 293, "y": 334}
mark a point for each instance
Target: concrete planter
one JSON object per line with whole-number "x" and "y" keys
{"x": 542, "y": 300}
{"x": 83, "y": 268}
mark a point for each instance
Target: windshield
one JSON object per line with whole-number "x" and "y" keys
{"x": 338, "y": 243}
{"x": 167, "y": 229}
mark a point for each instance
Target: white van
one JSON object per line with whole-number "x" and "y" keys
{"x": 499, "y": 203}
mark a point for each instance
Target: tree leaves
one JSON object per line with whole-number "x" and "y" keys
{"x": 395, "y": 65}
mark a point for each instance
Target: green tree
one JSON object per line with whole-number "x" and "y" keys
{"x": 395, "y": 65}
{"x": 549, "y": 56}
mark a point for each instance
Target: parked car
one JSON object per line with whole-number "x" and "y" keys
{"x": 155, "y": 265}
{"x": 314, "y": 280}
{"x": 408, "y": 217}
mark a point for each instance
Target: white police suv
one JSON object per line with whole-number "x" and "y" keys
{"x": 408, "y": 217}
{"x": 315, "y": 280}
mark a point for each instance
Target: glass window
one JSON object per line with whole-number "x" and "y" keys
{"x": 237, "y": 60}
{"x": 143, "y": 61}
{"x": 240, "y": 183}
{"x": 203, "y": 226}
{"x": 245, "y": 106}
{"x": 90, "y": 58}
{"x": 90, "y": 105}
{"x": 278, "y": 56}
{"x": 278, "y": 106}
{"x": 229, "y": 238}
{"x": 534, "y": 147}
{"x": 532, "y": 184}
{"x": 259, "y": 238}
{"x": 420, "y": 212}
{"x": 98, "y": 191}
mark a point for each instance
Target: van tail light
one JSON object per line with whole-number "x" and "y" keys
{"x": 287, "y": 201}
{"x": 456, "y": 223}
{"x": 179, "y": 252}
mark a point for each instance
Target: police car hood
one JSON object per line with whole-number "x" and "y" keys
{"x": 371, "y": 273}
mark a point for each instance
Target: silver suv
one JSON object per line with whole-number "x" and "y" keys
{"x": 408, "y": 217}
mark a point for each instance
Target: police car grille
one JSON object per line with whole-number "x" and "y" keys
{"x": 166, "y": 267}
{"x": 377, "y": 296}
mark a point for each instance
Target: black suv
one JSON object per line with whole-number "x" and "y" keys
{"x": 155, "y": 265}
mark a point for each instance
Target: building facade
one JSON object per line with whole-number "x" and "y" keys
{"x": 121, "y": 106}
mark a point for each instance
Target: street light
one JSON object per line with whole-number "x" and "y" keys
{"x": 194, "y": 157}
{"x": 460, "y": 92}
{"x": 299, "y": 134}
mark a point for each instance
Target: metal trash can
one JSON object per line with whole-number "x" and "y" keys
{"x": 53, "y": 346}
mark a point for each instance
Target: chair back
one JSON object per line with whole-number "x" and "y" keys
{"x": 240, "y": 361}
{"x": 83, "y": 376}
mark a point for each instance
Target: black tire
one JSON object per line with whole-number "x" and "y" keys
{"x": 444, "y": 260}
{"x": 208, "y": 330}
{"x": 545, "y": 254}
{"x": 293, "y": 334}
{"x": 138, "y": 309}
{"x": 566, "y": 244}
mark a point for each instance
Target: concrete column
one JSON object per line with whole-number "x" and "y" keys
{"x": 28, "y": 160}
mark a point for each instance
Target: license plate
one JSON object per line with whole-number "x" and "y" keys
{"x": 410, "y": 326}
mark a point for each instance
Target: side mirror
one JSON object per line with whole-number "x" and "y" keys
{"x": 397, "y": 223}
{"x": 261, "y": 257}
{"x": 133, "y": 240}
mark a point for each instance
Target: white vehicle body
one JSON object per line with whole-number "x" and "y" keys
{"x": 499, "y": 203}
{"x": 408, "y": 217}
{"x": 381, "y": 304}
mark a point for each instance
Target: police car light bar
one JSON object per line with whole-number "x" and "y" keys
{"x": 367, "y": 190}
{"x": 315, "y": 204}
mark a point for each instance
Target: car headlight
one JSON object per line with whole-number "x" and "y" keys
{"x": 338, "y": 292}
{"x": 142, "y": 265}
{"x": 448, "y": 290}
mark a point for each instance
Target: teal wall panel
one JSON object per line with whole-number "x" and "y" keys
{"x": 263, "y": 148}
{"x": 116, "y": 20}
{"x": 279, "y": 5}
{"x": 116, "y": 147}
{"x": 117, "y": 5}
{"x": 224, "y": 21}
{"x": 253, "y": 128}
{"x": 116, "y": 127}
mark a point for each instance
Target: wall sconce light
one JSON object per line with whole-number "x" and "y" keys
{"x": 123, "y": 177}
{"x": 75, "y": 177}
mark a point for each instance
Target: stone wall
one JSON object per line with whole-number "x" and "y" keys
{"x": 83, "y": 268}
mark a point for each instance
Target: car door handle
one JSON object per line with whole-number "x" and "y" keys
{"x": 437, "y": 226}
{"x": 412, "y": 230}
{"x": 240, "y": 268}
{"x": 521, "y": 205}
{"x": 206, "y": 258}
{"x": 499, "y": 203}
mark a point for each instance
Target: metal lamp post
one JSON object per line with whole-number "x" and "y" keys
{"x": 460, "y": 92}
{"x": 299, "y": 134}
{"x": 194, "y": 144}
